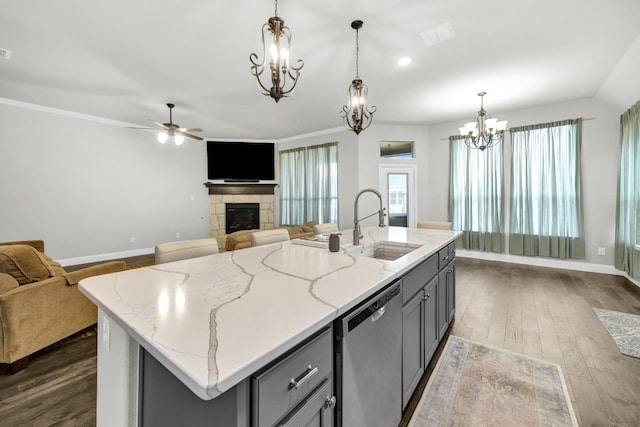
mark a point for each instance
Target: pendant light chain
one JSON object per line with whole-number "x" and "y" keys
{"x": 357, "y": 56}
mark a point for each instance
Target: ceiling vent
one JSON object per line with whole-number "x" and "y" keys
{"x": 5, "y": 53}
{"x": 437, "y": 34}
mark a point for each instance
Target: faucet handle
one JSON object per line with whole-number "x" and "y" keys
{"x": 381, "y": 216}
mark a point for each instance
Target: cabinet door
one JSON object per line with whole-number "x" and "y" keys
{"x": 316, "y": 411}
{"x": 412, "y": 346}
{"x": 451, "y": 290}
{"x": 430, "y": 314}
{"x": 443, "y": 315}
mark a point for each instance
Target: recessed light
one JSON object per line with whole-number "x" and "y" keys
{"x": 404, "y": 61}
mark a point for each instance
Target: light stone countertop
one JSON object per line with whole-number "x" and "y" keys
{"x": 213, "y": 321}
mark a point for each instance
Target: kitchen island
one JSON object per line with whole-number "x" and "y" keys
{"x": 214, "y": 321}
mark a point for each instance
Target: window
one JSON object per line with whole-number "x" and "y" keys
{"x": 546, "y": 190}
{"x": 475, "y": 195}
{"x": 396, "y": 149}
{"x": 309, "y": 184}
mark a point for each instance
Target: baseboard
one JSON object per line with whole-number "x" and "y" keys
{"x": 105, "y": 257}
{"x": 542, "y": 262}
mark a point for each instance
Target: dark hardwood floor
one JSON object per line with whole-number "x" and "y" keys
{"x": 540, "y": 312}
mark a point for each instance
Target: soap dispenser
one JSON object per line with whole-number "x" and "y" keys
{"x": 334, "y": 242}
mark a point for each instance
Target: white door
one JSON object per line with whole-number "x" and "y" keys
{"x": 398, "y": 189}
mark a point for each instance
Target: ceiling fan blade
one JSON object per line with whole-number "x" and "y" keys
{"x": 188, "y": 135}
{"x": 190, "y": 130}
{"x": 159, "y": 124}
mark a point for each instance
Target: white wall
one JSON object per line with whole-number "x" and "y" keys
{"x": 600, "y": 141}
{"x": 86, "y": 188}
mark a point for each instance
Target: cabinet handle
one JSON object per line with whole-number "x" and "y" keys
{"x": 427, "y": 297}
{"x": 446, "y": 257}
{"x": 296, "y": 383}
{"x": 330, "y": 402}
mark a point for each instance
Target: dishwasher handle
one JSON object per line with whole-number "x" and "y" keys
{"x": 378, "y": 314}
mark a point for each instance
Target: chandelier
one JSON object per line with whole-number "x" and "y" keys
{"x": 484, "y": 132}
{"x": 276, "y": 47}
{"x": 355, "y": 114}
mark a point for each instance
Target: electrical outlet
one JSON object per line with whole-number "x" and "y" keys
{"x": 5, "y": 53}
{"x": 601, "y": 251}
{"x": 132, "y": 240}
{"x": 178, "y": 235}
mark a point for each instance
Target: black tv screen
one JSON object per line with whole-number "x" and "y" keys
{"x": 241, "y": 161}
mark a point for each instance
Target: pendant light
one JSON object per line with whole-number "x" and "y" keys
{"x": 276, "y": 49}
{"x": 356, "y": 116}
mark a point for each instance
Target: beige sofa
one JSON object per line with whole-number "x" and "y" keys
{"x": 40, "y": 302}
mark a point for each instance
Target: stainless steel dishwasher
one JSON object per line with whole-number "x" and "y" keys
{"x": 369, "y": 362}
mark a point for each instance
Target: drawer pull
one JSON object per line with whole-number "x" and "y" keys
{"x": 427, "y": 297}
{"x": 296, "y": 383}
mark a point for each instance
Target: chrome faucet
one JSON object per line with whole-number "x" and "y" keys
{"x": 357, "y": 235}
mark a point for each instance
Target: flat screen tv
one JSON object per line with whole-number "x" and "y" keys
{"x": 241, "y": 161}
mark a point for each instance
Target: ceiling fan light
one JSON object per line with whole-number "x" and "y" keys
{"x": 162, "y": 137}
{"x": 179, "y": 139}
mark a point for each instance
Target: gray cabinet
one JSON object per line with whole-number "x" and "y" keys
{"x": 315, "y": 411}
{"x": 446, "y": 288}
{"x": 451, "y": 290}
{"x": 293, "y": 390}
{"x": 419, "y": 324}
{"x": 412, "y": 346}
{"x": 443, "y": 315}
{"x": 430, "y": 322}
{"x": 428, "y": 309}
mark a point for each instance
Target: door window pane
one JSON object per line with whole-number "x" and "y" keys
{"x": 397, "y": 185}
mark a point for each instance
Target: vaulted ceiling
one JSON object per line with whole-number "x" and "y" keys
{"x": 124, "y": 60}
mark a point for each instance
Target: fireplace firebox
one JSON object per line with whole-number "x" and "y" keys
{"x": 241, "y": 216}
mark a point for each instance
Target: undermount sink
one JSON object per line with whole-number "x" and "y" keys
{"x": 385, "y": 250}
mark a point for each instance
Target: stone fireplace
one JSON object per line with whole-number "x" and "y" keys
{"x": 222, "y": 195}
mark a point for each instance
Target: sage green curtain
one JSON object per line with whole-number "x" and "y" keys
{"x": 476, "y": 182}
{"x": 546, "y": 190}
{"x": 309, "y": 184}
{"x": 292, "y": 186}
{"x": 322, "y": 183}
{"x": 628, "y": 208}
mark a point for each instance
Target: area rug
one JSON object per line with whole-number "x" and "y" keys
{"x": 477, "y": 385}
{"x": 624, "y": 328}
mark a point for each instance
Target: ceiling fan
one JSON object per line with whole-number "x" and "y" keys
{"x": 173, "y": 132}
